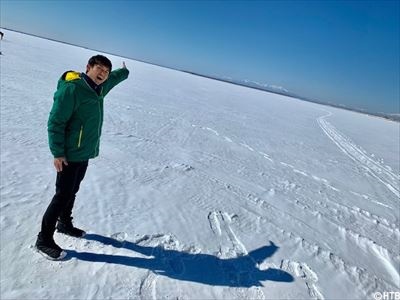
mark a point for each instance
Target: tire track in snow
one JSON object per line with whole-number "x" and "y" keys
{"x": 356, "y": 219}
{"x": 381, "y": 173}
{"x": 347, "y": 220}
{"x": 361, "y": 276}
{"x": 334, "y": 259}
{"x": 301, "y": 270}
{"x": 381, "y": 253}
{"x": 382, "y": 222}
{"x": 372, "y": 200}
{"x": 323, "y": 181}
{"x": 343, "y": 223}
{"x": 228, "y": 139}
{"x": 349, "y": 229}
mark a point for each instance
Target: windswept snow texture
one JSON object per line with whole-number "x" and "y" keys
{"x": 202, "y": 190}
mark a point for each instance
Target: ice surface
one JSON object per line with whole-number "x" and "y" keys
{"x": 202, "y": 190}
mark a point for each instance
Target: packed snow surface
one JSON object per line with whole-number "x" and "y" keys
{"x": 202, "y": 190}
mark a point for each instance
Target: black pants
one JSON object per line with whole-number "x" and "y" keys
{"x": 67, "y": 185}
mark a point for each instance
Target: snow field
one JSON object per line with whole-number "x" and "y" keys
{"x": 203, "y": 189}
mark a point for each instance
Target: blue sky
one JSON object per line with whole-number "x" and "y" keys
{"x": 344, "y": 52}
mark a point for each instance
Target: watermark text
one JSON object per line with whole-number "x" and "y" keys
{"x": 387, "y": 296}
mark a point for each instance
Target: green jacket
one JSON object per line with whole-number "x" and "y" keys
{"x": 76, "y": 118}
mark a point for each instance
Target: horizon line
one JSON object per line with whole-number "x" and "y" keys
{"x": 388, "y": 116}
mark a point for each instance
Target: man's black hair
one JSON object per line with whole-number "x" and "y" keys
{"x": 100, "y": 60}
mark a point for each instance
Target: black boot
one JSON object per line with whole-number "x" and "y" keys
{"x": 48, "y": 248}
{"x": 68, "y": 228}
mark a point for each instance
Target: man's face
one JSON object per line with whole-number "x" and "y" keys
{"x": 98, "y": 73}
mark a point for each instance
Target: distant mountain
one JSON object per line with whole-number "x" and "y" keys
{"x": 263, "y": 86}
{"x": 393, "y": 117}
{"x": 283, "y": 91}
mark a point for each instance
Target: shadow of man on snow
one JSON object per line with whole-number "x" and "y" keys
{"x": 208, "y": 269}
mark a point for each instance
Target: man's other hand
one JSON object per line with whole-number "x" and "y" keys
{"x": 58, "y": 163}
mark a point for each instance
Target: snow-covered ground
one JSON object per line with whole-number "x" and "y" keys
{"x": 203, "y": 189}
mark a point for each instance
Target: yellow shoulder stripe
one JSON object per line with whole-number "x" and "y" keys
{"x": 72, "y": 76}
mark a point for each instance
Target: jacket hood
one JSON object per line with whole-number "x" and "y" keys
{"x": 68, "y": 76}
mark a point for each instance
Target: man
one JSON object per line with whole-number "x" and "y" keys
{"x": 74, "y": 129}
